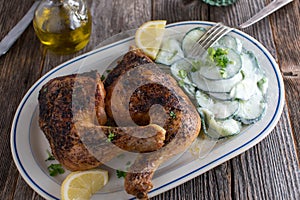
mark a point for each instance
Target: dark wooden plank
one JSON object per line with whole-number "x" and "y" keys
{"x": 292, "y": 86}
{"x": 8, "y": 187}
{"x": 270, "y": 169}
{"x": 286, "y": 28}
{"x": 179, "y": 10}
{"x": 11, "y": 14}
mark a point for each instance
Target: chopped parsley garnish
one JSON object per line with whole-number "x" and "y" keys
{"x": 194, "y": 69}
{"x": 222, "y": 61}
{"x": 223, "y": 72}
{"x": 219, "y": 56}
{"x": 120, "y": 174}
{"x": 172, "y": 114}
{"x": 243, "y": 74}
{"x": 55, "y": 169}
{"x": 102, "y": 77}
{"x": 50, "y": 156}
{"x": 261, "y": 82}
{"x": 108, "y": 71}
{"x": 181, "y": 83}
{"x": 110, "y": 136}
{"x": 182, "y": 73}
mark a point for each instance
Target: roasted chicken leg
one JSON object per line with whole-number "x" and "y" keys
{"x": 133, "y": 88}
{"x": 72, "y": 116}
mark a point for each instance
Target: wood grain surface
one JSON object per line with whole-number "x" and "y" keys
{"x": 269, "y": 170}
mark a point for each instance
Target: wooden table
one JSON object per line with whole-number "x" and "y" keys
{"x": 269, "y": 170}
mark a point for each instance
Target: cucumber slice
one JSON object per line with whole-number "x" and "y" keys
{"x": 222, "y": 110}
{"x": 226, "y": 128}
{"x": 217, "y": 129}
{"x": 223, "y": 86}
{"x": 222, "y": 96}
{"x": 262, "y": 84}
{"x": 249, "y": 64}
{"x": 252, "y": 110}
{"x": 230, "y": 42}
{"x": 191, "y": 38}
{"x": 259, "y": 75}
{"x": 170, "y": 52}
{"x": 180, "y": 70}
{"x": 211, "y": 71}
{"x": 244, "y": 90}
{"x": 203, "y": 117}
{"x": 253, "y": 77}
{"x": 204, "y": 100}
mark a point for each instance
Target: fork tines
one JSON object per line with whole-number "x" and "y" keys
{"x": 209, "y": 38}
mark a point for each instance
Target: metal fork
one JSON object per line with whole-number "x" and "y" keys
{"x": 217, "y": 31}
{"x": 209, "y": 38}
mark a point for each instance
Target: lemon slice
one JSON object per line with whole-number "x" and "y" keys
{"x": 83, "y": 184}
{"x": 149, "y": 36}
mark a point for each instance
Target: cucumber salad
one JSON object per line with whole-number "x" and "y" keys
{"x": 226, "y": 84}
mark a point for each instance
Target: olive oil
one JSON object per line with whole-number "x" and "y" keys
{"x": 63, "y": 26}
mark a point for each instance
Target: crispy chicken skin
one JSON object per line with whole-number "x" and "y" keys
{"x": 72, "y": 117}
{"x": 132, "y": 59}
{"x": 57, "y": 106}
{"x": 138, "y": 88}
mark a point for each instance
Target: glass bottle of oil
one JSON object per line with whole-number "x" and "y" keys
{"x": 63, "y": 26}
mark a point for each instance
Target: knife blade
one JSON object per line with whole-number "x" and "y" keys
{"x": 270, "y": 8}
{"x": 17, "y": 30}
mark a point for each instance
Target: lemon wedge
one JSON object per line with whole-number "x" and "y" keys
{"x": 149, "y": 36}
{"x": 83, "y": 184}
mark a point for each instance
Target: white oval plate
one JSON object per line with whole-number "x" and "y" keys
{"x": 29, "y": 145}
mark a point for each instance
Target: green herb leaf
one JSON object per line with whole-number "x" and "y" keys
{"x": 222, "y": 61}
{"x": 181, "y": 83}
{"x": 211, "y": 52}
{"x": 172, "y": 114}
{"x": 243, "y": 74}
{"x": 182, "y": 73}
{"x": 261, "y": 82}
{"x": 55, "y": 169}
{"x": 221, "y": 52}
{"x": 194, "y": 69}
{"x": 110, "y": 136}
{"x": 50, "y": 156}
{"x": 102, "y": 77}
{"x": 219, "y": 57}
{"x": 120, "y": 174}
{"x": 223, "y": 73}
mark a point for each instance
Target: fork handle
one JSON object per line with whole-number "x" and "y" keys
{"x": 270, "y": 8}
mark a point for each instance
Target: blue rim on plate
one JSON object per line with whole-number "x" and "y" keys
{"x": 183, "y": 177}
